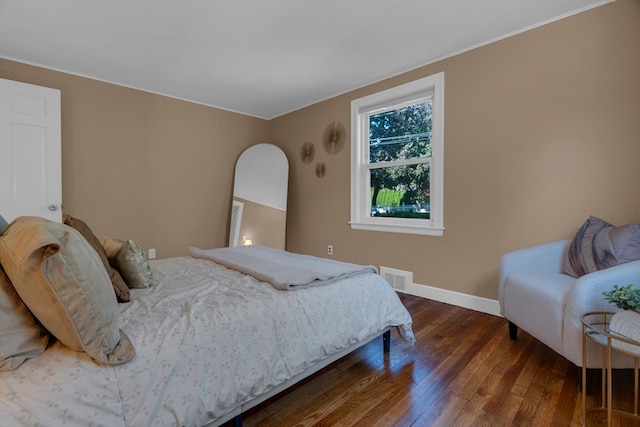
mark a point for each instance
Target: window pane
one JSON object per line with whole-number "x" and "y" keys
{"x": 401, "y": 192}
{"x": 403, "y": 133}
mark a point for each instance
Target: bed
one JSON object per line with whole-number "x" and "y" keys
{"x": 209, "y": 343}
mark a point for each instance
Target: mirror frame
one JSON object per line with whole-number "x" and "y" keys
{"x": 260, "y": 192}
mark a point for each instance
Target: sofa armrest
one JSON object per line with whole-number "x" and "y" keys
{"x": 547, "y": 258}
{"x": 586, "y": 293}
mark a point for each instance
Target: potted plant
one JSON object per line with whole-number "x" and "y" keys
{"x": 627, "y": 321}
{"x": 624, "y": 297}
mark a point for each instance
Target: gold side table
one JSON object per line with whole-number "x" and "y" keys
{"x": 595, "y": 325}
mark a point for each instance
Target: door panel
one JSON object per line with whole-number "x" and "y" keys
{"x": 30, "y": 151}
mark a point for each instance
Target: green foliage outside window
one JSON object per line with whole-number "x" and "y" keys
{"x": 387, "y": 197}
{"x": 397, "y": 135}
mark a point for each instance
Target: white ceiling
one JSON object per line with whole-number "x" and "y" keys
{"x": 263, "y": 58}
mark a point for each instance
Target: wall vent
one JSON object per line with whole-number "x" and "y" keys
{"x": 398, "y": 279}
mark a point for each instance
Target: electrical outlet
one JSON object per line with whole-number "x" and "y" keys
{"x": 152, "y": 253}
{"x": 330, "y": 250}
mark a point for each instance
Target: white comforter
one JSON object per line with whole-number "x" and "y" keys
{"x": 207, "y": 339}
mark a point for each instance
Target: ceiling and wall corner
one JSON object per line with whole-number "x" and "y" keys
{"x": 260, "y": 58}
{"x": 146, "y": 167}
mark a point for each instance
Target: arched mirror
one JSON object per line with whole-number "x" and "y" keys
{"x": 259, "y": 211}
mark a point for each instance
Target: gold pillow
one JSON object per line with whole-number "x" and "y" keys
{"x": 61, "y": 279}
{"x": 130, "y": 261}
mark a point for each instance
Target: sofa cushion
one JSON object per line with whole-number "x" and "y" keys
{"x": 598, "y": 245}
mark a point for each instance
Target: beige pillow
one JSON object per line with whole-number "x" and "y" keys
{"x": 119, "y": 286}
{"x": 21, "y": 337}
{"x": 130, "y": 261}
{"x": 62, "y": 281}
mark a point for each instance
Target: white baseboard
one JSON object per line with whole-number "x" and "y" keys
{"x": 484, "y": 305}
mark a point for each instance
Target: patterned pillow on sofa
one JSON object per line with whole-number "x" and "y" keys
{"x": 598, "y": 245}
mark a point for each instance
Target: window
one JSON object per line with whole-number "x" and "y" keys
{"x": 397, "y": 159}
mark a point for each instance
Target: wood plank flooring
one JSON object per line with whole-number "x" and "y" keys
{"x": 463, "y": 371}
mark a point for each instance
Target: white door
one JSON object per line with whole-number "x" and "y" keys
{"x": 30, "y": 151}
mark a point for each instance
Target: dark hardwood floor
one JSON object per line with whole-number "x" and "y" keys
{"x": 463, "y": 371}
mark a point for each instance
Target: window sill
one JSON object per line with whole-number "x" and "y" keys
{"x": 398, "y": 228}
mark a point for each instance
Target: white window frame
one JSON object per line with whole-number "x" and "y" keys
{"x": 361, "y": 108}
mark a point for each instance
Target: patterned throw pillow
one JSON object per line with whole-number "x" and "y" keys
{"x": 598, "y": 245}
{"x": 131, "y": 262}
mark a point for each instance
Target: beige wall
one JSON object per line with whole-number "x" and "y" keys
{"x": 541, "y": 130}
{"x": 146, "y": 167}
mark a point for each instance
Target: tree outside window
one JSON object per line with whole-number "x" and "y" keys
{"x": 397, "y": 146}
{"x": 400, "y": 143}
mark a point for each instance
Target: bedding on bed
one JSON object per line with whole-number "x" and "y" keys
{"x": 284, "y": 270}
{"x": 207, "y": 339}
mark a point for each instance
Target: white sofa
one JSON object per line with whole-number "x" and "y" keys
{"x": 537, "y": 297}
